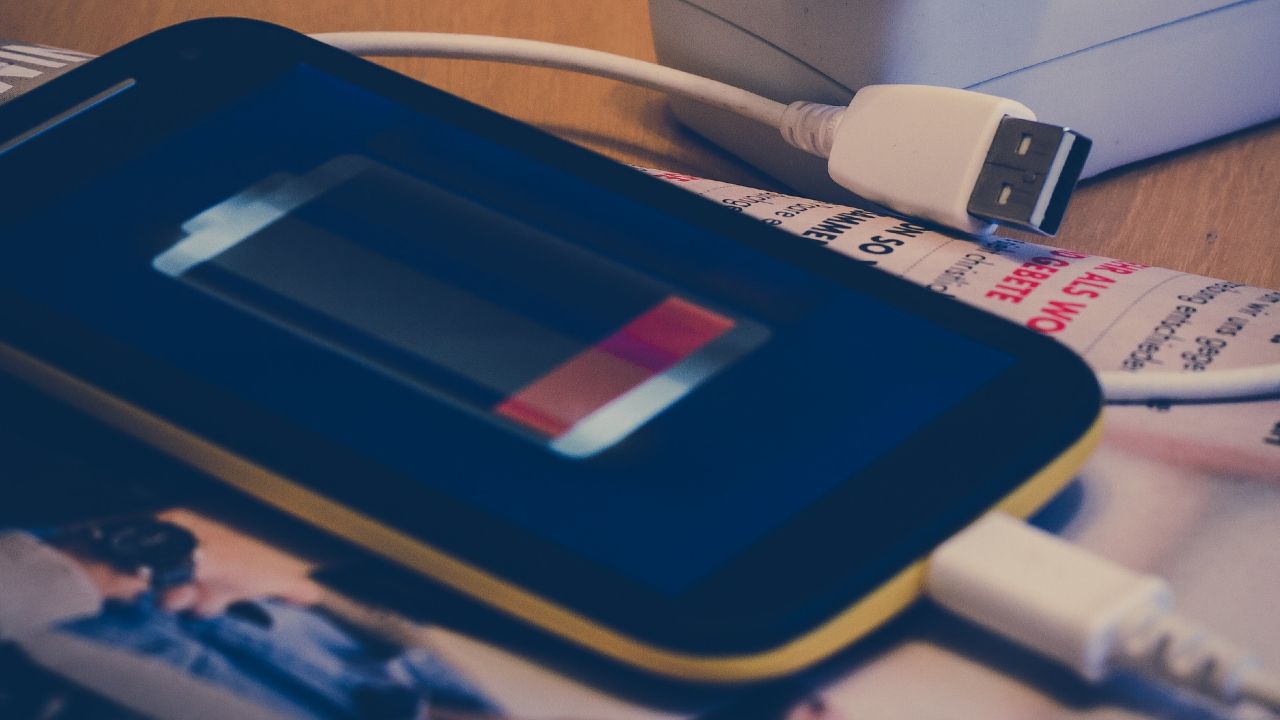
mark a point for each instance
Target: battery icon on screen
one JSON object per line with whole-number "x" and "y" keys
{"x": 538, "y": 335}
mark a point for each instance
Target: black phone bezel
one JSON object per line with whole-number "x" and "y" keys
{"x": 776, "y": 591}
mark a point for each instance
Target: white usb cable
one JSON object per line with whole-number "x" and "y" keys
{"x": 1087, "y": 612}
{"x": 1248, "y": 383}
{"x": 954, "y": 157}
{"x": 957, "y": 158}
{"x": 561, "y": 57}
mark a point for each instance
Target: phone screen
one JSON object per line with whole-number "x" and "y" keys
{"x": 649, "y": 396}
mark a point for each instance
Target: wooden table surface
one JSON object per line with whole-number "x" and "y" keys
{"x": 1212, "y": 209}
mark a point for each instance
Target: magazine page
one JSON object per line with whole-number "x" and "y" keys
{"x": 1188, "y": 492}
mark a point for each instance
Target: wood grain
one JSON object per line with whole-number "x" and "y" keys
{"x": 1212, "y": 209}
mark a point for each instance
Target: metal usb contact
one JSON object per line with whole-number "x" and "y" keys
{"x": 1029, "y": 174}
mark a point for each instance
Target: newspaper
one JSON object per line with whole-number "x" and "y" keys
{"x": 1189, "y": 492}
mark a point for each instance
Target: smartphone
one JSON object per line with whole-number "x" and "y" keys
{"x": 666, "y": 434}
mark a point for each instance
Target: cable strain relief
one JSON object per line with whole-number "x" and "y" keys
{"x": 811, "y": 126}
{"x": 1163, "y": 644}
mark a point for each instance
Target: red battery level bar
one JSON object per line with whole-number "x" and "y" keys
{"x": 608, "y": 390}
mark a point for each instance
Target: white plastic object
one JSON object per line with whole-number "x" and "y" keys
{"x": 1039, "y": 591}
{"x": 1086, "y": 612}
{"x": 890, "y": 148}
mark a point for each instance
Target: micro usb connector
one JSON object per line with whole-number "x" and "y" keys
{"x": 1029, "y": 174}
{"x": 1088, "y": 613}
